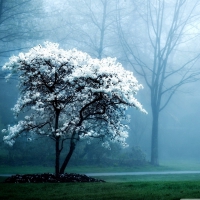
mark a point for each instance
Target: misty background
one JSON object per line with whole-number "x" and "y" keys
{"x": 136, "y": 33}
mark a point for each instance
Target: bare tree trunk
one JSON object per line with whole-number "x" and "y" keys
{"x": 68, "y": 157}
{"x": 102, "y": 30}
{"x": 154, "y": 138}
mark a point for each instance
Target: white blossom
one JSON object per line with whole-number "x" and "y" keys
{"x": 82, "y": 89}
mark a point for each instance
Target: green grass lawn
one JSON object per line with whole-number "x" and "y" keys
{"x": 150, "y": 190}
{"x": 150, "y": 187}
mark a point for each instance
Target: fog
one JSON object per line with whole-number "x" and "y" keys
{"x": 157, "y": 41}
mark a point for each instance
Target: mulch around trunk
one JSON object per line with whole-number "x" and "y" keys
{"x": 50, "y": 178}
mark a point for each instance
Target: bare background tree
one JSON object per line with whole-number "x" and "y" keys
{"x": 160, "y": 61}
{"x": 19, "y": 26}
{"x": 89, "y": 25}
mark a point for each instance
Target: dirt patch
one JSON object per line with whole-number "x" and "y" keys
{"x": 50, "y": 178}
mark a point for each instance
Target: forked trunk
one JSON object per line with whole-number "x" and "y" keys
{"x": 67, "y": 158}
{"x": 57, "y": 146}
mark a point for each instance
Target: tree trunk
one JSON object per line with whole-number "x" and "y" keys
{"x": 67, "y": 158}
{"x": 57, "y": 161}
{"x": 57, "y": 138}
{"x": 154, "y": 138}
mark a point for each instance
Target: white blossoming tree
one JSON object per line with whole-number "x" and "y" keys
{"x": 67, "y": 95}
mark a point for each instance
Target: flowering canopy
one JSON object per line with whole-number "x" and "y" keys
{"x": 69, "y": 95}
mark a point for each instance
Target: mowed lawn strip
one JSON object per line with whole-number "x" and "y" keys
{"x": 124, "y": 190}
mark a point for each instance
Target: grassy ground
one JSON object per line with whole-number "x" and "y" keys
{"x": 128, "y": 190}
{"x": 149, "y": 187}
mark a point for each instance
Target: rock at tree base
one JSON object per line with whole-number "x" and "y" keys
{"x": 50, "y": 178}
